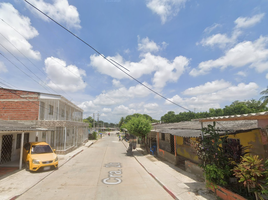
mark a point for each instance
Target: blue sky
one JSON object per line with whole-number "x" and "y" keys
{"x": 198, "y": 54}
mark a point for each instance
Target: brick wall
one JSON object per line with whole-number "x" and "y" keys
{"x": 18, "y": 105}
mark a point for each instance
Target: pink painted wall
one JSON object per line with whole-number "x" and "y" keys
{"x": 263, "y": 124}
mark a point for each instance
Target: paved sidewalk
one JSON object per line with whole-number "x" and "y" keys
{"x": 177, "y": 182}
{"x": 16, "y": 184}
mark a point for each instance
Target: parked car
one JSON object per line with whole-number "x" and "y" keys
{"x": 39, "y": 155}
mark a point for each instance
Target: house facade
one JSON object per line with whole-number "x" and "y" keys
{"x": 248, "y": 130}
{"x": 56, "y": 120}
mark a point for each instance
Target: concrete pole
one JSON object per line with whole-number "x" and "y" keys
{"x": 175, "y": 145}
{"x": 65, "y": 137}
{"x": 21, "y": 149}
{"x": 202, "y": 130}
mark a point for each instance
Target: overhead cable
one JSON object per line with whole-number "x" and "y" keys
{"x": 104, "y": 56}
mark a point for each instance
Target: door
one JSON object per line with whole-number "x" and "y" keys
{"x": 172, "y": 144}
{"x": 6, "y": 150}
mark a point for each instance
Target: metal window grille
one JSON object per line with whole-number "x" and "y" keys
{"x": 6, "y": 150}
{"x": 25, "y": 140}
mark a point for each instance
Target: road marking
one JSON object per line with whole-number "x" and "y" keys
{"x": 113, "y": 176}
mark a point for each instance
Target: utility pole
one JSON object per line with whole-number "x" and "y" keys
{"x": 98, "y": 122}
{"x": 94, "y": 121}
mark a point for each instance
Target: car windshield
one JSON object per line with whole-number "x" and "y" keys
{"x": 37, "y": 149}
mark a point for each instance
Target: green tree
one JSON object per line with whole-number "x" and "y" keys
{"x": 264, "y": 98}
{"x": 139, "y": 126}
{"x": 88, "y": 121}
{"x": 121, "y": 122}
{"x": 170, "y": 117}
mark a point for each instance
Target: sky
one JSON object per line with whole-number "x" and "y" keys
{"x": 197, "y": 54}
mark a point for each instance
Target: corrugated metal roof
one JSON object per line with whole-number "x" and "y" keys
{"x": 250, "y": 116}
{"x": 193, "y": 128}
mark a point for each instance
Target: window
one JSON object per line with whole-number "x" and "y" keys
{"x": 44, "y": 135}
{"x": 231, "y": 145}
{"x": 42, "y": 110}
{"x": 50, "y": 110}
{"x": 62, "y": 113}
{"x": 162, "y": 136}
{"x": 67, "y": 115}
{"x": 26, "y": 139}
{"x": 187, "y": 141}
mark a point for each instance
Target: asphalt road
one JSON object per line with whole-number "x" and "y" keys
{"x": 102, "y": 171}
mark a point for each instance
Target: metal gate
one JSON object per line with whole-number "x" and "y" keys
{"x": 6, "y": 150}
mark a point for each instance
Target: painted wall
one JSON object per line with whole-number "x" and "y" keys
{"x": 186, "y": 150}
{"x": 252, "y": 139}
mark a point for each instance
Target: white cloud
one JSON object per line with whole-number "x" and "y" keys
{"x": 117, "y": 83}
{"x": 127, "y": 51}
{"x": 207, "y": 88}
{"x": 106, "y": 110}
{"x": 166, "y": 9}
{"x": 123, "y": 110}
{"x": 266, "y": 76}
{"x": 2, "y": 67}
{"x": 241, "y": 73}
{"x": 222, "y": 40}
{"x": 151, "y": 108}
{"x": 211, "y": 28}
{"x": 136, "y": 105}
{"x": 145, "y": 45}
{"x": 63, "y": 77}
{"x": 17, "y": 39}
{"x": 245, "y": 22}
{"x": 88, "y": 106}
{"x": 203, "y": 102}
{"x": 165, "y": 70}
{"x": 60, "y": 11}
{"x": 218, "y": 39}
{"x": 254, "y": 54}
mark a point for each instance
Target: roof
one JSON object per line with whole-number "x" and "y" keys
{"x": 250, "y": 116}
{"x": 194, "y": 128}
{"x": 17, "y": 126}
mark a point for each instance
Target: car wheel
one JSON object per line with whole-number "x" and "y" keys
{"x": 56, "y": 168}
{"x": 27, "y": 166}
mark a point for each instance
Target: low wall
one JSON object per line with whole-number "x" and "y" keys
{"x": 63, "y": 152}
{"x": 167, "y": 156}
{"x": 194, "y": 169}
{"x": 223, "y": 193}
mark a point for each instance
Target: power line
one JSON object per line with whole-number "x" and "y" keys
{"x": 22, "y": 70}
{"x": 31, "y": 61}
{"x": 7, "y": 84}
{"x": 105, "y": 57}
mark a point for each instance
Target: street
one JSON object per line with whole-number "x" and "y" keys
{"x": 102, "y": 171}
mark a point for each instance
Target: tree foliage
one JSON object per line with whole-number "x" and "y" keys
{"x": 139, "y": 126}
{"x": 129, "y": 117}
{"x": 264, "y": 98}
{"x": 237, "y": 107}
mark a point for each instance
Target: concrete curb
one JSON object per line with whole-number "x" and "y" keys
{"x": 155, "y": 178}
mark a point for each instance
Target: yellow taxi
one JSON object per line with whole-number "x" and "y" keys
{"x": 39, "y": 155}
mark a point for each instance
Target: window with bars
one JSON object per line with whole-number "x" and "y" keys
{"x": 62, "y": 112}
{"x": 50, "y": 110}
{"x": 25, "y": 140}
{"x": 187, "y": 141}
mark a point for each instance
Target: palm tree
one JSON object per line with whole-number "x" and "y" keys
{"x": 265, "y": 96}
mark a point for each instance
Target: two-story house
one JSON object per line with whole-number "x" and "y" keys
{"x": 49, "y": 117}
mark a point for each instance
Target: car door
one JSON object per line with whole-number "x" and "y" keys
{"x": 26, "y": 150}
